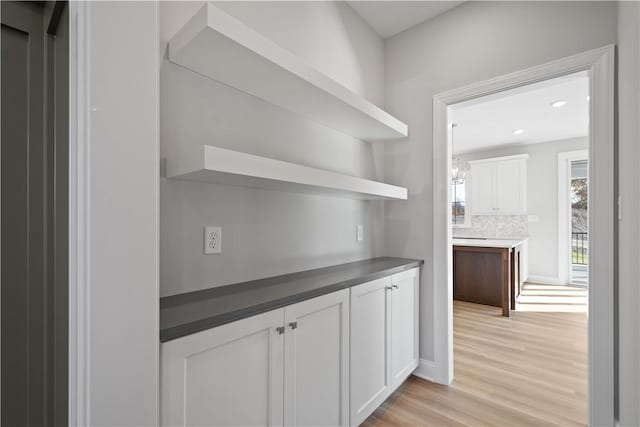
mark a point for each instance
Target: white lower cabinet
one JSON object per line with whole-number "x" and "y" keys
{"x": 384, "y": 339}
{"x": 316, "y": 362}
{"x": 286, "y": 367}
{"x": 330, "y": 360}
{"x": 370, "y": 349}
{"x": 229, "y": 375}
{"x": 404, "y": 325}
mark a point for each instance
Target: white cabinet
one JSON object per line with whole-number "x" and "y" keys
{"x": 499, "y": 185}
{"x": 483, "y": 188}
{"x": 286, "y": 367}
{"x": 327, "y": 361}
{"x": 316, "y": 361}
{"x": 404, "y": 325}
{"x": 384, "y": 339}
{"x": 370, "y": 349}
{"x": 229, "y": 375}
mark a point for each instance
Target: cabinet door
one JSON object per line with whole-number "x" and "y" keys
{"x": 225, "y": 376}
{"x": 370, "y": 352}
{"x": 511, "y": 186}
{"x": 316, "y": 364}
{"x": 404, "y": 325}
{"x": 483, "y": 188}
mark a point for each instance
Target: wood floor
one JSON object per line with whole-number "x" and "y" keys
{"x": 526, "y": 370}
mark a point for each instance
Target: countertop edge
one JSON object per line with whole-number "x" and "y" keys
{"x": 487, "y": 243}
{"x": 200, "y": 325}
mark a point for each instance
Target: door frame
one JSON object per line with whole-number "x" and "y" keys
{"x": 600, "y": 65}
{"x": 78, "y": 214}
{"x": 564, "y": 213}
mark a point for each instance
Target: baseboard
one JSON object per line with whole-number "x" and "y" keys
{"x": 426, "y": 370}
{"x": 544, "y": 280}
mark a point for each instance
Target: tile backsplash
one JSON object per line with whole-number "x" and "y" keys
{"x": 495, "y": 226}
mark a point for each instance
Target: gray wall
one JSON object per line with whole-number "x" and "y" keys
{"x": 629, "y": 156}
{"x": 473, "y": 42}
{"x": 266, "y": 233}
{"x": 542, "y": 198}
{"x": 122, "y": 157}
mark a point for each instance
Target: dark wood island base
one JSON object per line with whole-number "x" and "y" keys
{"x": 486, "y": 275}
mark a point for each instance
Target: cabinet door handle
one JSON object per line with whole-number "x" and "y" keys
{"x": 280, "y": 330}
{"x": 293, "y": 325}
{"x": 395, "y": 286}
{"x": 389, "y": 288}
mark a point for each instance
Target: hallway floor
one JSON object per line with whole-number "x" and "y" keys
{"x": 526, "y": 370}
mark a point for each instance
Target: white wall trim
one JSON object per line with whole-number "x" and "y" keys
{"x": 600, "y": 65}
{"x": 564, "y": 213}
{"x": 78, "y": 214}
{"x": 426, "y": 370}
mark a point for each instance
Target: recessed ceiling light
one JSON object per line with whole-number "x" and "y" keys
{"x": 518, "y": 131}
{"x": 558, "y": 104}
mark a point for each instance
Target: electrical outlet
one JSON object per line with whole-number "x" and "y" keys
{"x": 212, "y": 240}
{"x": 359, "y": 233}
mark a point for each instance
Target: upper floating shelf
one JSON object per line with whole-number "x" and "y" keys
{"x": 221, "y": 166}
{"x": 218, "y": 46}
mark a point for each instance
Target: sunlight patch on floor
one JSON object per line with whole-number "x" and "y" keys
{"x": 552, "y": 298}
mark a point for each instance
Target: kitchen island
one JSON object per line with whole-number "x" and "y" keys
{"x": 488, "y": 271}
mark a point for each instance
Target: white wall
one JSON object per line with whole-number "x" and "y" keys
{"x": 628, "y": 157}
{"x": 266, "y": 233}
{"x": 122, "y": 157}
{"x": 542, "y": 199}
{"x": 473, "y": 42}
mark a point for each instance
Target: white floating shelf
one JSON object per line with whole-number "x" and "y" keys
{"x": 228, "y": 167}
{"x": 220, "y": 47}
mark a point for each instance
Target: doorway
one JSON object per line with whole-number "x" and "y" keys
{"x": 505, "y": 149}
{"x": 599, "y": 64}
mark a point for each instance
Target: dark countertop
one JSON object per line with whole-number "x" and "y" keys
{"x": 191, "y": 312}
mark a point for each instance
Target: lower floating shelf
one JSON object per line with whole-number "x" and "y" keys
{"x": 228, "y": 167}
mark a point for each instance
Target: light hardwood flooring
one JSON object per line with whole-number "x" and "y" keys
{"x": 526, "y": 370}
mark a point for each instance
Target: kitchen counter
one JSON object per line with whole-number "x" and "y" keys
{"x": 489, "y": 243}
{"x": 191, "y": 312}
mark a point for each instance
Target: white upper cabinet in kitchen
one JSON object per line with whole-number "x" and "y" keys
{"x": 483, "y": 188}
{"x": 499, "y": 185}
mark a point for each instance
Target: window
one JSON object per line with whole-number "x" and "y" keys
{"x": 460, "y": 215}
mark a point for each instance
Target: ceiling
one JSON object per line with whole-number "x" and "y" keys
{"x": 489, "y": 122}
{"x": 389, "y": 18}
